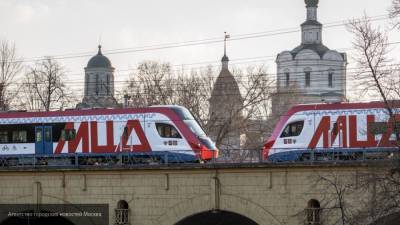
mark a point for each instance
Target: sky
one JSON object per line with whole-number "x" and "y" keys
{"x": 75, "y": 28}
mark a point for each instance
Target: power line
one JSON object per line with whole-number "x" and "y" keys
{"x": 197, "y": 42}
{"x": 217, "y": 63}
{"x": 358, "y": 70}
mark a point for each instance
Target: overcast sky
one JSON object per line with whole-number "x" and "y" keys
{"x": 60, "y": 27}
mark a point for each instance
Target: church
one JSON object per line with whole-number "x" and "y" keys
{"x": 226, "y": 106}
{"x": 99, "y": 84}
{"x": 311, "y": 72}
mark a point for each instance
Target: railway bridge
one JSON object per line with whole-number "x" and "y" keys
{"x": 193, "y": 194}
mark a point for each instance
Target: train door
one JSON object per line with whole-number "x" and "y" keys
{"x": 43, "y": 140}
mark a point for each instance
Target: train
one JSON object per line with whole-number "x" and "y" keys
{"x": 341, "y": 130}
{"x": 161, "y": 131}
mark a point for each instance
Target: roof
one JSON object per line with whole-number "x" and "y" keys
{"x": 331, "y": 94}
{"x": 311, "y": 3}
{"x": 99, "y": 60}
{"x": 226, "y": 85}
{"x": 311, "y": 22}
{"x": 318, "y": 48}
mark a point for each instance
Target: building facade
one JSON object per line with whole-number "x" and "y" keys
{"x": 99, "y": 84}
{"x": 311, "y": 72}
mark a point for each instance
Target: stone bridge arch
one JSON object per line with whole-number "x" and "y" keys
{"x": 228, "y": 203}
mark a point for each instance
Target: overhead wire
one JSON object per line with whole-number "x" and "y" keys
{"x": 205, "y": 41}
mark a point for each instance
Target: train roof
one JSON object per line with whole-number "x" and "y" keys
{"x": 85, "y": 112}
{"x": 341, "y": 106}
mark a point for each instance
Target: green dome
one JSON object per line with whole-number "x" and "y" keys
{"x": 311, "y": 3}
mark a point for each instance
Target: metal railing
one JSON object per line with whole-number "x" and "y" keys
{"x": 313, "y": 216}
{"x": 121, "y": 217}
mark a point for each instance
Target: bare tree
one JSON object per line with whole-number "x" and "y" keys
{"x": 394, "y": 13}
{"x": 45, "y": 87}
{"x": 336, "y": 189}
{"x": 10, "y": 67}
{"x": 151, "y": 85}
{"x": 376, "y": 75}
{"x": 255, "y": 90}
{"x": 155, "y": 83}
{"x": 371, "y": 54}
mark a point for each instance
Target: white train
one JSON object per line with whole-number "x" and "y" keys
{"x": 152, "y": 130}
{"x": 341, "y": 129}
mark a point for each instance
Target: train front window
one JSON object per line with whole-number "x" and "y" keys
{"x": 293, "y": 129}
{"x": 167, "y": 131}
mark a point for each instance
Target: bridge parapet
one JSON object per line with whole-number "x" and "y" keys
{"x": 266, "y": 193}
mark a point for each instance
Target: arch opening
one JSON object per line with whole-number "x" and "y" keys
{"x": 216, "y": 217}
{"x": 122, "y": 204}
{"x": 313, "y": 211}
{"x": 122, "y": 213}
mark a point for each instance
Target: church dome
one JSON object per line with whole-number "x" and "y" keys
{"x": 311, "y": 3}
{"x": 99, "y": 60}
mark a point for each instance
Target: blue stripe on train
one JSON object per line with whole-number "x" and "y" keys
{"x": 164, "y": 156}
{"x": 296, "y": 154}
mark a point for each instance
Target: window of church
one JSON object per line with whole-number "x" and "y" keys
{"x": 308, "y": 78}
{"x": 330, "y": 79}
{"x": 287, "y": 74}
{"x": 97, "y": 84}
{"x": 108, "y": 85}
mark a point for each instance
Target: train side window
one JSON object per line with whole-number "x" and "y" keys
{"x": 63, "y": 135}
{"x": 335, "y": 129}
{"x": 167, "y": 131}
{"x": 125, "y": 133}
{"x": 293, "y": 129}
{"x": 47, "y": 134}
{"x": 39, "y": 134}
{"x": 3, "y": 137}
{"x": 68, "y": 134}
{"x": 71, "y": 134}
{"x": 19, "y": 136}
